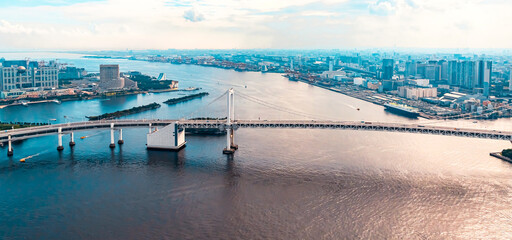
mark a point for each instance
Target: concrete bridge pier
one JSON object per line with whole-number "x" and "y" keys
{"x": 170, "y": 137}
{"x": 112, "y": 143}
{"x": 72, "y": 139}
{"x": 232, "y": 136}
{"x": 60, "y": 147}
{"x": 120, "y": 141}
{"x": 9, "y": 149}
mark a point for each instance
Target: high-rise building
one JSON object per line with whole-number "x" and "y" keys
{"x": 452, "y": 73}
{"x": 484, "y": 76}
{"x": 387, "y": 69}
{"x": 110, "y": 77}
{"x": 510, "y": 81}
{"x": 411, "y": 68}
{"x": 22, "y": 74}
{"x": 470, "y": 74}
{"x": 444, "y": 69}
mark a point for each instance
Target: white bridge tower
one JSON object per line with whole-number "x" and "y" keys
{"x": 231, "y": 147}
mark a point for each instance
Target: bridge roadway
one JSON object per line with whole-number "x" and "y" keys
{"x": 32, "y": 132}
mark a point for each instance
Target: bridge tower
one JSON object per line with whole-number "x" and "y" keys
{"x": 60, "y": 147}
{"x": 9, "y": 149}
{"x": 231, "y": 147}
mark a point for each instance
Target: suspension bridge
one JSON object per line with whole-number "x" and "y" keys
{"x": 170, "y": 134}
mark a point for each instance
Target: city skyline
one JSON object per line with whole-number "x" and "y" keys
{"x": 227, "y": 24}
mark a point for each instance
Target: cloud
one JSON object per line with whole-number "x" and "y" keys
{"x": 382, "y": 7}
{"x": 135, "y": 24}
{"x": 10, "y": 28}
{"x": 193, "y": 16}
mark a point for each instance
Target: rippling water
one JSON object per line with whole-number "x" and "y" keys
{"x": 280, "y": 184}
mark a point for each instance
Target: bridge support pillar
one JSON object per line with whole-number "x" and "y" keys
{"x": 170, "y": 137}
{"x": 120, "y": 141}
{"x": 60, "y": 147}
{"x": 72, "y": 139}
{"x": 9, "y": 149}
{"x": 112, "y": 144}
{"x": 230, "y": 134}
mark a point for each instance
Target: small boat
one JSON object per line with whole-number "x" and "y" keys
{"x": 22, "y": 160}
{"x": 56, "y": 101}
{"x": 24, "y": 103}
{"x": 83, "y": 137}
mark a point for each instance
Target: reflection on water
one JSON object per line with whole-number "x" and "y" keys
{"x": 280, "y": 184}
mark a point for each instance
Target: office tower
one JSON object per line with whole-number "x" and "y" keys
{"x": 510, "y": 81}
{"x": 411, "y": 68}
{"x": 444, "y": 69}
{"x": 484, "y": 76}
{"x": 387, "y": 69}
{"x": 469, "y": 74}
{"x": 110, "y": 77}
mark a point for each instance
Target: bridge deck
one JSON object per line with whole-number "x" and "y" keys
{"x": 24, "y": 133}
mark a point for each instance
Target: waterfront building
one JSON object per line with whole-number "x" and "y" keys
{"x": 22, "y": 74}
{"x": 110, "y": 77}
{"x": 387, "y": 69}
{"x": 416, "y": 93}
{"x": 72, "y": 73}
{"x": 333, "y": 74}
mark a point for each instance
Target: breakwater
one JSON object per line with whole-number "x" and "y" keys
{"x": 126, "y": 112}
{"x": 172, "y": 101}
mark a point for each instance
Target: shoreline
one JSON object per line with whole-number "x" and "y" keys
{"x": 68, "y": 98}
{"x": 422, "y": 115}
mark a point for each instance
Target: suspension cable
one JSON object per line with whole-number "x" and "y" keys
{"x": 205, "y": 106}
{"x": 280, "y": 108}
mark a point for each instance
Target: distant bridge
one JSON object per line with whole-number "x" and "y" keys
{"x": 171, "y": 135}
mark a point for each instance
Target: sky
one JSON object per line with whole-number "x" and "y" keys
{"x": 246, "y": 24}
